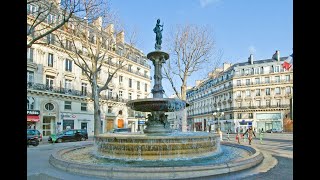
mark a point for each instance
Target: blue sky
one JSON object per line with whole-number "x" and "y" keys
{"x": 240, "y": 27}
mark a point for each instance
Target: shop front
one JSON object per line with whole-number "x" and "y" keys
{"x": 33, "y": 117}
{"x": 268, "y": 121}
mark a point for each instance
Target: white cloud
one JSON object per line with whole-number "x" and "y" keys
{"x": 205, "y": 3}
{"x": 252, "y": 49}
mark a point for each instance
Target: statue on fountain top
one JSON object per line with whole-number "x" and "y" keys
{"x": 158, "y": 30}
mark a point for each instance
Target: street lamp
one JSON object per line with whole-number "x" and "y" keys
{"x": 218, "y": 114}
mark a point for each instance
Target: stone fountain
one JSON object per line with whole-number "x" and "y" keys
{"x": 157, "y": 142}
{"x": 158, "y": 153}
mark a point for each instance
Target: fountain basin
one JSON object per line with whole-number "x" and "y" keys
{"x": 156, "y": 147}
{"x": 157, "y": 104}
{"x": 90, "y": 167}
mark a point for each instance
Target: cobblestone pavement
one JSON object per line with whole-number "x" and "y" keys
{"x": 278, "y": 150}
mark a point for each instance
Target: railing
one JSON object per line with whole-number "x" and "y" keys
{"x": 69, "y": 91}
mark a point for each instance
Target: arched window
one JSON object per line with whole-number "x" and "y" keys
{"x": 49, "y": 106}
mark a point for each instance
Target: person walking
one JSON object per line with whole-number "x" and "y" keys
{"x": 261, "y": 135}
{"x": 238, "y": 136}
{"x": 228, "y": 134}
{"x": 250, "y": 133}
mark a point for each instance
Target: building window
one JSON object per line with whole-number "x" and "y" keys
{"x": 239, "y": 116}
{"x": 120, "y": 79}
{"x": 109, "y": 93}
{"x": 30, "y": 77}
{"x": 288, "y": 90}
{"x": 257, "y": 92}
{"x": 83, "y": 106}
{"x": 50, "y": 60}
{"x": 49, "y": 81}
{"x": 238, "y": 93}
{"x": 49, "y": 106}
{"x": 256, "y": 70}
{"x": 257, "y": 80}
{"x": 277, "y": 69}
{"x": 247, "y": 81}
{"x": 130, "y": 83}
{"x": 268, "y": 104}
{"x": 239, "y": 104}
{"x": 120, "y": 94}
{"x": 138, "y": 96}
{"x": 109, "y": 109}
{"x": 145, "y": 87}
{"x": 130, "y": 96}
{"x": 277, "y": 78}
{"x": 138, "y": 85}
{"x": 278, "y": 102}
{"x": 51, "y": 19}
{"x": 68, "y": 84}
{"x": 287, "y": 78}
{"x": 30, "y": 54}
{"x": 277, "y": 89}
{"x": 68, "y": 45}
{"x": 83, "y": 89}
{"x": 267, "y": 91}
{"x": 67, "y": 105}
{"x": 267, "y": 80}
{"x": 238, "y": 82}
{"x": 250, "y": 115}
{"x": 30, "y": 103}
{"x": 68, "y": 65}
{"x": 130, "y": 68}
{"x": 258, "y": 103}
{"x": 50, "y": 38}
{"x": 31, "y": 8}
{"x": 248, "y": 92}
{"x": 145, "y": 73}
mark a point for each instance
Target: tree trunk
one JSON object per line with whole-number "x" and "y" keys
{"x": 184, "y": 115}
{"x": 96, "y": 107}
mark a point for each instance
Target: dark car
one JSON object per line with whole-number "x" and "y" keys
{"x": 121, "y": 130}
{"x": 32, "y": 138}
{"x": 273, "y": 131}
{"x": 69, "y": 135}
{"x": 35, "y": 132}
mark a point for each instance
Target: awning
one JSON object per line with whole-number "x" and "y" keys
{"x": 33, "y": 118}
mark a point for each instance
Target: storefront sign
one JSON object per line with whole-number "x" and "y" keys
{"x": 141, "y": 122}
{"x": 33, "y": 112}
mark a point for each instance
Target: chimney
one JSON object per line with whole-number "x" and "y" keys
{"x": 226, "y": 66}
{"x": 98, "y": 22}
{"x": 198, "y": 82}
{"x": 250, "y": 59}
{"x": 276, "y": 55}
{"x": 110, "y": 29}
{"x": 120, "y": 37}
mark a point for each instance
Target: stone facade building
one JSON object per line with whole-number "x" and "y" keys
{"x": 59, "y": 95}
{"x": 256, "y": 93}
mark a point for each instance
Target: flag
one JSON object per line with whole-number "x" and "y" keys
{"x": 287, "y": 65}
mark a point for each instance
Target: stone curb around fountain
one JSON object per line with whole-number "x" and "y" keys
{"x": 118, "y": 172}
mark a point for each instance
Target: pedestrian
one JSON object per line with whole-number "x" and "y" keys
{"x": 238, "y": 136}
{"x": 228, "y": 134}
{"x": 250, "y": 132}
{"x": 220, "y": 133}
{"x": 261, "y": 135}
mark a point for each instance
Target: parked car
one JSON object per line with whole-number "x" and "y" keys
{"x": 121, "y": 130}
{"x": 69, "y": 135}
{"x": 35, "y": 132}
{"x": 274, "y": 131}
{"x": 32, "y": 138}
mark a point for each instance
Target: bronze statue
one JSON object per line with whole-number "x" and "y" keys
{"x": 158, "y": 30}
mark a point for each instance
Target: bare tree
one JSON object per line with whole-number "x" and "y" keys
{"x": 191, "y": 47}
{"x": 89, "y": 48}
{"x": 46, "y": 16}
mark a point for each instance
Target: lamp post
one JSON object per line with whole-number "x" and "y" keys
{"x": 218, "y": 114}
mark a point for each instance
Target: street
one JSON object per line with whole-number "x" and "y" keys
{"x": 279, "y": 146}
